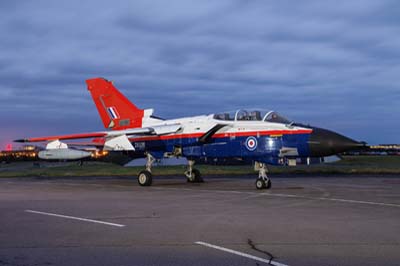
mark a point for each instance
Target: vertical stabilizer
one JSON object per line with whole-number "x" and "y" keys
{"x": 115, "y": 110}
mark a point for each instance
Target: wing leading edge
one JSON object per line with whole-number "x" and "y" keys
{"x": 115, "y": 140}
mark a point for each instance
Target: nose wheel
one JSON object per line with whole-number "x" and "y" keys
{"x": 263, "y": 181}
{"x": 263, "y": 184}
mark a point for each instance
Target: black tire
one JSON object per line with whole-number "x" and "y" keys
{"x": 145, "y": 178}
{"x": 268, "y": 184}
{"x": 196, "y": 177}
{"x": 260, "y": 183}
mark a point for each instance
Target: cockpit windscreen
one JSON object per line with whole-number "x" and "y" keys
{"x": 254, "y": 115}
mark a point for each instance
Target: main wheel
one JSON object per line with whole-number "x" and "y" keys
{"x": 260, "y": 183}
{"x": 268, "y": 184}
{"x": 195, "y": 177}
{"x": 145, "y": 178}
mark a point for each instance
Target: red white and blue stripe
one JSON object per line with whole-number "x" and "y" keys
{"x": 112, "y": 112}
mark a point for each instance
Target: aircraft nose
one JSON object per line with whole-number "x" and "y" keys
{"x": 323, "y": 142}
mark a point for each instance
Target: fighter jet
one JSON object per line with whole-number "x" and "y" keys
{"x": 252, "y": 136}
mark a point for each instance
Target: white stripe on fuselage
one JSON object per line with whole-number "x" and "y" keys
{"x": 201, "y": 124}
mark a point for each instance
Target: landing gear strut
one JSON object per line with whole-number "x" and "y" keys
{"x": 192, "y": 174}
{"x": 145, "y": 178}
{"x": 262, "y": 182}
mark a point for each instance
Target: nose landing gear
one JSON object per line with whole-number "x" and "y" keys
{"x": 263, "y": 181}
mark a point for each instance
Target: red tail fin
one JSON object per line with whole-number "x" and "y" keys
{"x": 116, "y": 111}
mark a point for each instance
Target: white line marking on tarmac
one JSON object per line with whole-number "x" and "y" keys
{"x": 289, "y": 196}
{"x": 270, "y": 262}
{"x": 75, "y": 218}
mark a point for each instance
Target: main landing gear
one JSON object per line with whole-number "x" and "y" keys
{"x": 145, "y": 177}
{"x": 262, "y": 182}
{"x": 193, "y": 175}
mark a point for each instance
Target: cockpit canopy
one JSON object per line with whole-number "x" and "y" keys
{"x": 254, "y": 115}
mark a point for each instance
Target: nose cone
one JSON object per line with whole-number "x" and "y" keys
{"x": 323, "y": 142}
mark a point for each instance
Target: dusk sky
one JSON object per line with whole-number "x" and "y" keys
{"x": 333, "y": 64}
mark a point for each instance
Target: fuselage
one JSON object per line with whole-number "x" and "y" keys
{"x": 248, "y": 140}
{"x": 265, "y": 137}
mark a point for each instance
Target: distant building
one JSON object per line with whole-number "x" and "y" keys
{"x": 27, "y": 153}
{"x": 380, "y": 149}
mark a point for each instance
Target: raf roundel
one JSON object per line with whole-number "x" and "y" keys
{"x": 251, "y": 143}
